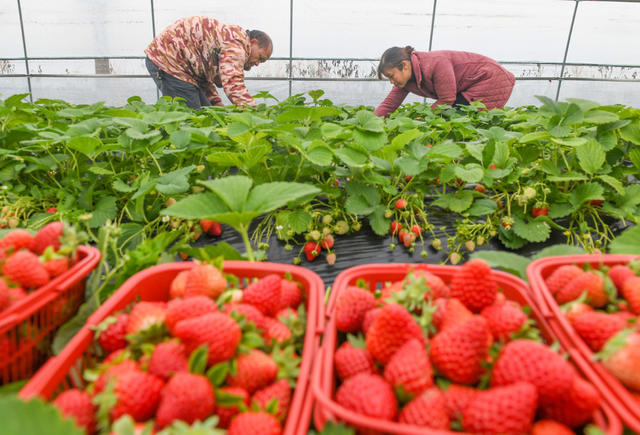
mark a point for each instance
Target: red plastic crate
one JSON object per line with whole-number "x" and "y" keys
{"x": 28, "y": 327}
{"x": 65, "y": 370}
{"x": 612, "y": 390}
{"x": 324, "y": 381}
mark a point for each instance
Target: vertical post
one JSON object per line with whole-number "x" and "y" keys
{"x": 24, "y": 48}
{"x": 433, "y": 20}
{"x": 153, "y": 31}
{"x": 566, "y": 50}
{"x": 290, "y": 44}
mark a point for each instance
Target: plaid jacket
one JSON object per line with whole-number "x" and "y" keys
{"x": 206, "y": 53}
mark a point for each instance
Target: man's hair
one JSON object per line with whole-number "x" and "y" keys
{"x": 264, "y": 41}
{"x": 393, "y": 57}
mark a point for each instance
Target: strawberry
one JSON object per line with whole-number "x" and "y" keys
{"x": 168, "y": 358}
{"x": 480, "y": 188}
{"x": 226, "y": 412}
{"x": 596, "y": 328}
{"x": 246, "y": 423}
{"x": 562, "y": 276}
{"x": 369, "y": 395}
{"x": 592, "y": 283}
{"x": 16, "y": 240}
{"x": 250, "y": 313}
{"x": 392, "y": 327}
{"x": 474, "y": 284}
{"x": 180, "y": 309}
{"x": 395, "y": 227}
{"x": 217, "y": 330}
{"x": 369, "y": 317}
{"x": 254, "y": 370}
{"x": 415, "y": 229}
{"x": 533, "y": 362}
{"x": 539, "y": 211}
{"x": 210, "y": 227}
{"x": 631, "y": 292}
{"x": 426, "y": 410}
{"x": 137, "y": 393}
{"x": 52, "y": 210}
{"x": 575, "y": 409}
{"x": 275, "y": 330}
{"x": 459, "y": 351}
{"x": 77, "y": 404}
{"x": 290, "y": 294}
{"x": 550, "y": 427}
{"x": 450, "y": 312}
{"x": 187, "y": 397}
{"x": 409, "y": 370}
{"x": 595, "y": 203}
{"x": 312, "y": 250}
{"x": 111, "y": 333}
{"x": 327, "y": 242}
{"x": 56, "y": 266}
{"x": 456, "y": 398}
{"x": 619, "y": 274}
{"x": 435, "y": 286}
{"x": 351, "y": 360}
{"x": 176, "y": 290}
{"x": 146, "y": 315}
{"x": 280, "y": 391}
{"x": 204, "y": 280}
{"x": 24, "y": 268}
{"x": 264, "y": 294}
{"x": 49, "y": 235}
{"x": 504, "y": 319}
{"x": 621, "y": 357}
{"x": 351, "y": 306}
{"x": 502, "y": 410}
{"x": 400, "y": 204}
{"x": 575, "y": 309}
{"x": 111, "y": 371}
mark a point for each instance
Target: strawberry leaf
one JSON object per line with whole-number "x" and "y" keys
{"x": 34, "y": 417}
{"x": 198, "y": 360}
{"x": 534, "y": 231}
{"x": 218, "y": 374}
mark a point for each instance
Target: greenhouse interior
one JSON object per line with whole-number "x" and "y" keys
{"x": 296, "y": 217}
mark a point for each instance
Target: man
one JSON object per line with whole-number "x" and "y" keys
{"x": 194, "y": 55}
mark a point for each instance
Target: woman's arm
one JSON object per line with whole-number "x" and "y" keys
{"x": 391, "y": 103}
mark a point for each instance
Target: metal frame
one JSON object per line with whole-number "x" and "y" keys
{"x": 291, "y": 78}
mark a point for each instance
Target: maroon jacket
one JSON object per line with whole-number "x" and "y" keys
{"x": 443, "y": 74}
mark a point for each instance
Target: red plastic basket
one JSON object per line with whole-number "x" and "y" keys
{"x": 614, "y": 393}
{"x": 28, "y": 327}
{"x": 323, "y": 379}
{"x": 65, "y": 370}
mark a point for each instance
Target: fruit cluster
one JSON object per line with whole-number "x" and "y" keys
{"x": 213, "y": 350}
{"x": 456, "y": 356}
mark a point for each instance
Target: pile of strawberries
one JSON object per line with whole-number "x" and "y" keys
{"x": 603, "y": 306}
{"x": 213, "y": 353}
{"x": 453, "y": 357}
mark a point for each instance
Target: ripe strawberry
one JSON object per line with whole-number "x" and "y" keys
{"x": 312, "y": 250}
{"x": 217, "y": 330}
{"x": 450, "y": 312}
{"x": 226, "y": 412}
{"x": 56, "y": 266}
{"x": 502, "y": 410}
{"x": 393, "y": 327}
{"x": 254, "y": 370}
{"x": 187, "y": 397}
{"x": 275, "y": 330}
{"x": 550, "y": 427}
{"x": 369, "y": 395}
{"x": 49, "y": 235}
{"x": 575, "y": 309}
{"x": 539, "y": 211}
{"x": 145, "y": 315}
{"x": 621, "y": 357}
{"x": 369, "y": 317}
{"x": 427, "y": 410}
{"x": 180, "y": 309}
{"x": 211, "y": 227}
{"x": 112, "y": 331}
{"x": 168, "y": 358}
{"x": 562, "y": 276}
{"x": 596, "y": 328}
{"x": 533, "y": 362}
{"x": 435, "y": 286}
{"x": 592, "y": 283}
{"x": 280, "y": 391}
{"x": 351, "y": 306}
{"x": 327, "y": 242}
{"x": 290, "y": 294}
{"x": 595, "y": 203}
{"x": 246, "y": 423}
{"x": 264, "y": 294}
{"x": 24, "y": 268}
{"x": 178, "y": 285}
{"x": 575, "y": 409}
{"x": 137, "y": 393}
{"x": 409, "y": 370}
{"x": 474, "y": 284}
{"x": 395, "y": 227}
{"x": 456, "y": 398}
{"x": 504, "y": 319}
{"x": 401, "y": 235}
{"x": 16, "y": 240}
{"x": 619, "y": 274}
{"x": 480, "y": 188}
{"x": 250, "y": 313}
{"x": 415, "y": 229}
{"x": 204, "y": 280}
{"x": 459, "y": 351}
{"x": 77, "y": 404}
{"x": 400, "y": 204}
{"x": 111, "y": 370}
{"x": 350, "y": 360}
{"x": 631, "y": 292}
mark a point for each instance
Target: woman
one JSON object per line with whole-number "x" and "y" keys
{"x": 450, "y": 77}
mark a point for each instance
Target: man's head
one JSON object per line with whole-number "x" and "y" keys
{"x": 260, "y": 48}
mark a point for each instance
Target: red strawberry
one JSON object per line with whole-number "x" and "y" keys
{"x": 550, "y": 427}
{"x": 350, "y": 360}
{"x": 137, "y": 393}
{"x": 435, "y": 286}
{"x": 275, "y": 330}
{"x": 631, "y": 292}
{"x": 562, "y": 276}
{"x": 575, "y": 309}
{"x": 327, "y": 242}
{"x": 539, "y": 211}
{"x": 168, "y": 358}
{"x": 264, "y": 294}
{"x": 24, "y": 268}
{"x": 77, "y": 404}
{"x": 369, "y": 395}
{"x": 255, "y": 370}
{"x": 312, "y": 250}
{"x": 619, "y": 274}
{"x": 502, "y": 410}
{"x": 533, "y": 362}
{"x": 204, "y": 280}
{"x": 393, "y": 327}
{"x": 426, "y": 410}
{"x": 187, "y": 397}
{"x": 250, "y": 313}
{"x": 596, "y": 328}
{"x": 400, "y": 204}
{"x": 112, "y": 331}
{"x": 16, "y": 240}
{"x": 56, "y": 266}
{"x": 211, "y": 227}
{"x": 415, "y": 229}
{"x": 456, "y": 398}
{"x": 621, "y": 357}
{"x": 480, "y": 188}
{"x": 450, "y": 312}
{"x": 178, "y": 285}
{"x": 145, "y": 315}
{"x": 217, "y": 330}
{"x": 458, "y": 352}
{"x": 290, "y": 294}
{"x": 180, "y": 309}
{"x": 474, "y": 284}
{"x": 49, "y": 235}
{"x": 590, "y": 282}
{"x": 351, "y": 306}
{"x": 280, "y": 391}
{"x": 246, "y": 423}
{"x": 504, "y": 319}
{"x": 395, "y": 227}
{"x": 226, "y": 412}
{"x": 575, "y": 409}
{"x": 112, "y": 371}
{"x": 409, "y": 370}
{"x": 369, "y": 318}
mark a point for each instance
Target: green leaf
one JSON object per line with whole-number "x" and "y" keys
{"x": 613, "y": 182}
{"x": 104, "y": 210}
{"x": 237, "y": 129}
{"x": 121, "y": 186}
{"x": 482, "y": 207}
{"x": 557, "y": 250}
{"x": 534, "y": 136}
{"x": 558, "y": 210}
{"x": 161, "y": 118}
{"x": 301, "y": 113}
{"x": 211, "y": 252}
{"x": 510, "y": 239}
{"x": 501, "y": 154}
{"x": 507, "y": 261}
{"x": 87, "y": 145}
{"x": 198, "y": 360}
{"x": 568, "y": 176}
{"x": 570, "y": 142}
{"x": 631, "y": 132}
{"x": 218, "y": 373}
{"x": 298, "y": 220}
{"x": 180, "y": 138}
{"x": 351, "y": 157}
{"x": 319, "y": 153}
{"x": 100, "y": 171}
{"x": 600, "y": 117}
{"x": 470, "y": 173}
{"x": 379, "y": 224}
{"x": 446, "y": 149}
{"x": 369, "y": 121}
{"x": 475, "y": 150}
{"x": 586, "y": 192}
{"x": 584, "y": 105}
{"x": 359, "y": 205}
{"x": 409, "y": 165}
{"x": 34, "y": 417}
{"x": 458, "y": 202}
{"x": 404, "y": 138}
{"x": 331, "y": 130}
{"x": 591, "y": 156}
{"x": 137, "y": 134}
{"x": 270, "y": 196}
{"x": 233, "y": 190}
{"x": 534, "y": 231}
{"x": 634, "y": 156}
{"x": 369, "y": 140}
{"x": 200, "y": 206}
{"x": 626, "y": 243}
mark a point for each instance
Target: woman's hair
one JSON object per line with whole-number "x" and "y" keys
{"x": 264, "y": 41}
{"x": 393, "y": 57}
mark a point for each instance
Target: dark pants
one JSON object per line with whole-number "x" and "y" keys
{"x": 461, "y": 101}
{"x": 173, "y": 87}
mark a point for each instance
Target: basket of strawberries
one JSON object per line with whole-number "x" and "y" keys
{"x": 428, "y": 349}
{"x": 42, "y": 284}
{"x": 185, "y": 344}
{"x": 592, "y": 303}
